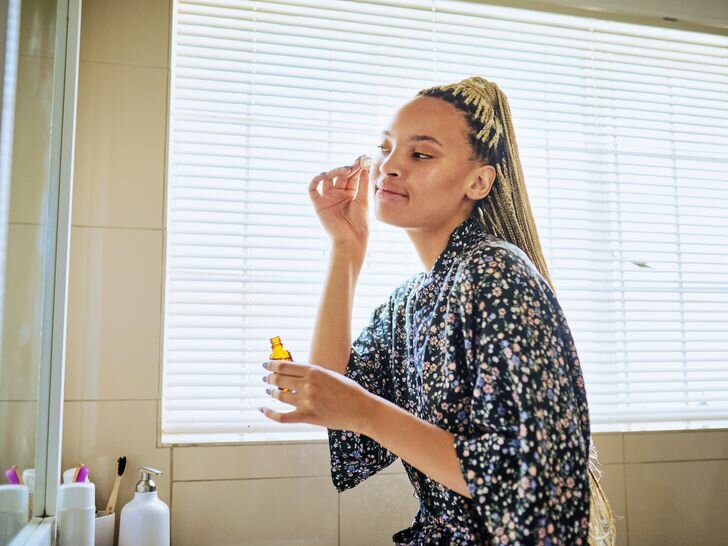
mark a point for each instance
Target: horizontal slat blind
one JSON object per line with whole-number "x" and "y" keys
{"x": 623, "y": 132}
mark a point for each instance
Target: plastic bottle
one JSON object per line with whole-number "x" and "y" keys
{"x": 145, "y": 520}
{"x": 13, "y": 511}
{"x": 75, "y": 518}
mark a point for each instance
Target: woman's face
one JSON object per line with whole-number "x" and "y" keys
{"x": 423, "y": 176}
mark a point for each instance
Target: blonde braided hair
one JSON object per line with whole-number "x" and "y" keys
{"x": 506, "y": 213}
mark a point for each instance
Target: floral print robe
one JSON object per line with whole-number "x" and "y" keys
{"x": 480, "y": 347}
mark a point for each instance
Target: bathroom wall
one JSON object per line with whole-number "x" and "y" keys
{"x": 664, "y": 485}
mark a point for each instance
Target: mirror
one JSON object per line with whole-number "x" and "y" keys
{"x": 27, "y": 261}
{"x": 35, "y": 214}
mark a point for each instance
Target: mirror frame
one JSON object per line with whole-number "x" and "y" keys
{"x": 58, "y": 240}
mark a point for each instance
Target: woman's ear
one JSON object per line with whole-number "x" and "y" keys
{"x": 481, "y": 183}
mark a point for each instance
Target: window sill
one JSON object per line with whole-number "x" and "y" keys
{"x": 268, "y": 438}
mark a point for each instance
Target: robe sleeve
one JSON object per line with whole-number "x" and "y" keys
{"x": 524, "y": 453}
{"x": 355, "y": 456}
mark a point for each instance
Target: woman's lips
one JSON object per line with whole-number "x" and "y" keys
{"x": 389, "y": 195}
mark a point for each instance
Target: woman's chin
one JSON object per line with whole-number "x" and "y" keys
{"x": 388, "y": 217}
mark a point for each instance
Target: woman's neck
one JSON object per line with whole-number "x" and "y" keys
{"x": 431, "y": 241}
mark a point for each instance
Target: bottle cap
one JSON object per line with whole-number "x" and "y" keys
{"x": 13, "y": 498}
{"x": 74, "y": 496}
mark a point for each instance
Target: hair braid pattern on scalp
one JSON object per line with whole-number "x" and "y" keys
{"x": 506, "y": 213}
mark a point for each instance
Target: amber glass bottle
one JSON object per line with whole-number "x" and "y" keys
{"x": 277, "y": 352}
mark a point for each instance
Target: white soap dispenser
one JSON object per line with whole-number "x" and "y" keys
{"x": 145, "y": 520}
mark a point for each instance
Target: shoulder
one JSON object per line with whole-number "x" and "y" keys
{"x": 496, "y": 263}
{"x": 497, "y": 280}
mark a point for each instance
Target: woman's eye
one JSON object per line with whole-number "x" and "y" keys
{"x": 384, "y": 149}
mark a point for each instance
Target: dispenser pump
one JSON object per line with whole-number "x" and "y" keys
{"x": 146, "y": 484}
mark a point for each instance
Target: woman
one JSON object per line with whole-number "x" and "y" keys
{"x": 468, "y": 372}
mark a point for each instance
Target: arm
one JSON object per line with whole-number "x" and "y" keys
{"x": 522, "y": 456}
{"x": 354, "y": 455}
{"x": 425, "y": 446}
{"x": 331, "y": 341}
{"x": 342, "y": 209}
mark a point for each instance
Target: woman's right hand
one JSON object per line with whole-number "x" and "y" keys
{"x": 342, "y": 204}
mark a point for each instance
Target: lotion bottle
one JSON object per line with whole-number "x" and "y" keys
{"x": 75, "y": 525}
{"x": 145, "y": 520}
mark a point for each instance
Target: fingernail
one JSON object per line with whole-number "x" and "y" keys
{"x": 261, "y": 410}
{"x": 268, "y": 391}
{"x": 265, "y": 379}
{"x": 265, "y": 364}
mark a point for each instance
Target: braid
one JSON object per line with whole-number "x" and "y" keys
{"x": 506, "y": 211}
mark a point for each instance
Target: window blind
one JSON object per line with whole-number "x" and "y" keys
{"x": 623, "y": 134}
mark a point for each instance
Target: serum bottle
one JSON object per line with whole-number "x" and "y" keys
{"x": 277, "y": 352}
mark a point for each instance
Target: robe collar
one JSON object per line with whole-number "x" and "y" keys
{"x": 461, "y": 239}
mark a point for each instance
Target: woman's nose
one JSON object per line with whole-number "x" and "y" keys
{"x": 389, "y": 166}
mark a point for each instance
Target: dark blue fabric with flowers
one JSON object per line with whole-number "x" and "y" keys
{"x": 480, "y": 347}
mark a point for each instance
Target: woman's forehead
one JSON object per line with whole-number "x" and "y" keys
{"x": 427, "y": 117}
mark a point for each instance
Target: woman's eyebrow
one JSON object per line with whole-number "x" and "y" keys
{"x": 419, "y": 138}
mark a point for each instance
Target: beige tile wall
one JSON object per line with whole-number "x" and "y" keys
{"x": 115, "y": 285}
{"x": 665, "y": 487}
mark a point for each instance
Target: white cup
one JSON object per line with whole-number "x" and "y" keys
{"x": 104, "y": 535}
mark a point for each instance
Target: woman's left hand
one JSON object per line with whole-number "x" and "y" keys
{"x": 320, "y": 396}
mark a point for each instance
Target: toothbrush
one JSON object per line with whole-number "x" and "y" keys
{"x": 115, "y": 491}
{"x": 12, "y": 475}
{"x": 77, "y": 473}
{"x": 82, "y": 474}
